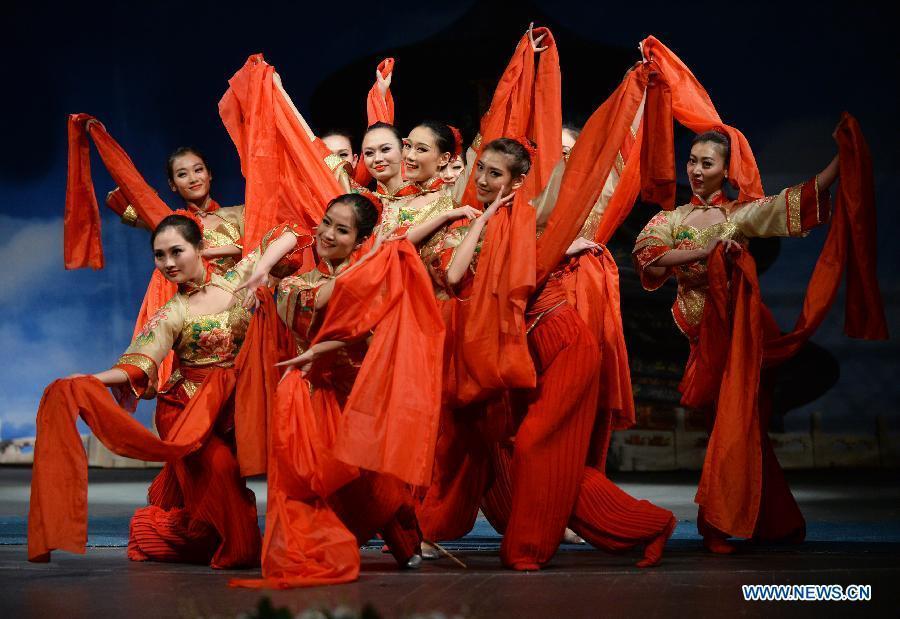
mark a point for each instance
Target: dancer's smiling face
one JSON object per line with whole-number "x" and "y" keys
{"x": 422, "y": 156}
{"x": 706, "y": 168}
{"x": 382, "y": 152}
{"x": 190, "y": 178}
{"x": 451, "y": 172}
{"x": 493, "y": 172}
{"x": 336, "y": 236}
{"x": 176, "y": 258}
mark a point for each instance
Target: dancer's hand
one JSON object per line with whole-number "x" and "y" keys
{"x": 463, "y": 212}
{"x": 535, "y": 42}
{"x": 305, "y": 361}
{"x": 499, "y": 201}
{"x": 731, "y": 246}
{"x": 581, "y": 244}
{"x": 259, "y": 277}
{"x": 384, "y": 83}
{"x": 302, "y": 362}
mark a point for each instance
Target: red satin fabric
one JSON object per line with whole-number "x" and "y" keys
{"x": 321, "y": 506}
{"x": 305, "y": 544}
{"x": 82, "y": 243}
{"x": 591, "y": 282}
{"x": 588, "y": 167}
{"x": 267, "y": 341}
{"x": 849, "y": 247}
{"x": 58, "y": 511}
{"x": 390, "y": 419}
{"x": 527, "y": 103}
{"x": 286, "y": 177}
{"x": 200, "y": 510}
{"x": 626, "y": 192}
{"x": 738, "y": 335}
{"x": 676, "y": 94}
{"x": 490, "y": 339}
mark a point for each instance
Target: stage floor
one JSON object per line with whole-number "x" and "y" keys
{"x": 854, "y": 538}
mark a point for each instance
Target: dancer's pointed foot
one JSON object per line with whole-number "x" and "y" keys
{"x": 414, "y": 563}
{"x": 525, "y": 567}
{"x": 571, "y": 537}
{"x": 654, "y": 550}
{"x": 429, "y": 552}
{"x": 718, "y": 545}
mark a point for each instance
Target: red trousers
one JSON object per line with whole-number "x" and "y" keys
{"x": 532, "y": 488}
{"x": 379, "y": 503}
{"x": 200, "y": 511}
{"x": 462, "y": 462}
{"x": 550, "y": 486}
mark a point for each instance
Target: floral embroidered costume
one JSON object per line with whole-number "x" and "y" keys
{"x": 200, "y": 510}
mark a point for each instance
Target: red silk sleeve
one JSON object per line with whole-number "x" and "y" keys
{"x": 82, "y": 242}
{"x": 386, "y": 426}
{"x": 286, "y": 176}
{"x": 57, "y": 517}
{"x": 378, "y": 109}
{"x": 587, "y": 169}
{"x": 678, "y": 94}
{"x": 527, "y": 103}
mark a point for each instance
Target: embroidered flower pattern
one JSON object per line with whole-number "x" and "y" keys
{"x": 216, "y": 343}
{"x": 660, "y": 218}
{"x": 146, "y": 334}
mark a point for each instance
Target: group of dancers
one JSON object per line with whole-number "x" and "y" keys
{"x": 402, "y": 335}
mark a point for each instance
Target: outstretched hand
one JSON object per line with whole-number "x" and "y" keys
{"x": 258, "y": 278}
{"x": 302, "y": 362}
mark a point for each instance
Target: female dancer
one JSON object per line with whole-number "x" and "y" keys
{"x": 200, "y": 510}
{"x": 452, "y": 172}
{"x": 550, "y": 484}
{"x": 382, "y": 153}
{"x": 569, "y": 136}
{"x": 191, "y": 178}
{"x": 678, "y": 243}
{"x": 318, "y": 514}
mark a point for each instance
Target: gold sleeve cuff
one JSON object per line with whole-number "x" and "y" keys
{"x": 130, "y": 216}
{"x": 147, "y": 366}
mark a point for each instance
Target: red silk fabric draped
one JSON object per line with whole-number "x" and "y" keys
{"x": 286, "y": 176}
{"x": 58, "y": 512}
{"x": 389, "y": 423}
{"x": 305, "y": 544}
{"x": 82, "y": 242}
{"x": 589, "y": 165}
{"x": 57, "y": 518}
{"x": 527, "y": 104}
{"x": 591, "y": 282}
{"x": 849, "y": 247}
{"x": 492, "y": 349}
{"x": 266, "y": 343}
{"x": 378, "y": 109}
{"x": 738, "y": 335}
{"x": 677, "y": 94}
